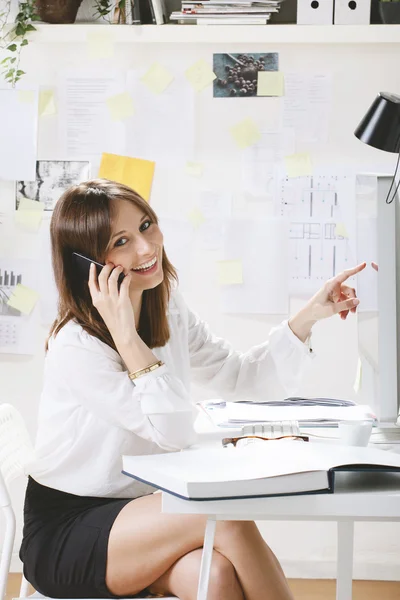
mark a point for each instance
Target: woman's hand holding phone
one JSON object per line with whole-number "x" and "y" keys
{"x": 116, "y": 310}
{"x": 114, "y": 305}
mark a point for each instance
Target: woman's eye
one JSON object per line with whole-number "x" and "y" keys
{"x": 145, "y": 225}
{"x": 121, "y": 242}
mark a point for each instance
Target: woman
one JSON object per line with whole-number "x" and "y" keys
{"x": 116, "y": 381}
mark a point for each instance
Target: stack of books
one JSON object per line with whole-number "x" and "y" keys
{"x": 226, "y": 12}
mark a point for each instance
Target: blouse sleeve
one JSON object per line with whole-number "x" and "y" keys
{"x": 252, "y": 375}
{"x": 155, "y": 407}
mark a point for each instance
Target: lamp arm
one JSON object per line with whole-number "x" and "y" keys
{"x": 393, "y": 181}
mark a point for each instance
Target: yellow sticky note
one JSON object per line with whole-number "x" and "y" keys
{"x": 194, "y": 168}
{"x": 134, "y": 172}
{"x": 23, "y": 299}
{"x": 270, "y": 83}
{"x": 341, "y": 231}
{"x": 200, "y": 75}
{"x": 120, "y": 106}
{"x": 157, "y": 78}
{"x": 100, "y": 44}
{"x": 245, "y": 133}
{"x": 47, "y": 105}
{"x": 230, "y": 272}
{"x": 196, "y": 217}
{"x": 298, "y": 165}
{"x": 358, "y": 380}
{"x": 26, "y": 96}
{"x": 29, "y": 213}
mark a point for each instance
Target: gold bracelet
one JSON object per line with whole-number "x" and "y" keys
{"x": 148, "y": 369}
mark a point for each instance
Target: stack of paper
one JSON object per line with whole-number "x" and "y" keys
{"x": 308, "y": 414}
{"x": 226, "y": 12}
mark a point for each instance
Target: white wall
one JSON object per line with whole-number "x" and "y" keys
{"x": 359, "y": 72}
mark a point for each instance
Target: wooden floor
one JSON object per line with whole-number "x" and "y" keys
{"x": 303, "y": 589}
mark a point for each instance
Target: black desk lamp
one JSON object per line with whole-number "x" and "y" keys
{"x": 380, "y": 128}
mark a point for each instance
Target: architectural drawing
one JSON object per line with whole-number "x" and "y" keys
{"x": 322, "y": 233}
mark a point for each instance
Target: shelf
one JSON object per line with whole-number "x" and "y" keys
{"x": 220, "y": 34}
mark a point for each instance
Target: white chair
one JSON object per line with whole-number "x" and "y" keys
{"x": 15, "y": 451}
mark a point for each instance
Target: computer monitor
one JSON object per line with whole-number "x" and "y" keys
{"x": 378, "y": 319}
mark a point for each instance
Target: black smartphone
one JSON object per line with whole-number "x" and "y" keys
{"x": 83, "y": 264}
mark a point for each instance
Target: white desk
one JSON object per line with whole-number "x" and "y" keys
{"x": 347, "y": 505}
{"x": 350, "y": 503}
{"x": 355, "y": 499}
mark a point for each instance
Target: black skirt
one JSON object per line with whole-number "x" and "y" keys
{"x": 65, "y": 540}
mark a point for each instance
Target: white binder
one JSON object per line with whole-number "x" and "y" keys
{"x": 352, "y": 12}
{"x": 315, "y": 12}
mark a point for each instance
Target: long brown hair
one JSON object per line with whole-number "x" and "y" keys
{"x": 81, "y": 222}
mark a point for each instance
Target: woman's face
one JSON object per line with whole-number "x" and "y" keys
{"x": 136, "y": 245}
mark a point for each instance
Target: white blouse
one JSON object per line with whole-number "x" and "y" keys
{"x": 91, "y": 413}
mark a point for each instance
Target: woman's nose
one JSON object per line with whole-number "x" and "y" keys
{"x": 144, "y": 248}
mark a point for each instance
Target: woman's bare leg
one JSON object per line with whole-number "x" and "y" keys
{"x": 182, "y": 578}
{"x": 145, "y": 543}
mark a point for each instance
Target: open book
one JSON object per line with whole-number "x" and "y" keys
{"x": 265, "y": 469}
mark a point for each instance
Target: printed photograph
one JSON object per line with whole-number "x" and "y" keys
{"x": 53, "y": 177}
{"x": 237, "y": 73}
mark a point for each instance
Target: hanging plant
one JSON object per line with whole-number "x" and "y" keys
{"x": 13, "y": 40}
{"x": 105, "y": 7}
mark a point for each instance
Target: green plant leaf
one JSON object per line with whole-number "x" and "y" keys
{"x": 20, "y": 29}
{"x": 19, "y": 73}
{"x": 12, "y": 47}
{"x": 24, "y": 42}
{"x": 30, "y": 28}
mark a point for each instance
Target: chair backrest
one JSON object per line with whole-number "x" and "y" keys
{"x": 15, "y": 445}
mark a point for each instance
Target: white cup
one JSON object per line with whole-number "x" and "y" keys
{"x": 355, "y": 433}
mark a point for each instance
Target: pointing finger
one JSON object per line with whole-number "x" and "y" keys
{"x": 349, "y": 273}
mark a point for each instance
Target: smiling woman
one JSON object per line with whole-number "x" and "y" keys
{"x": 111, "y": 224}
{"x": 109, "y": 390}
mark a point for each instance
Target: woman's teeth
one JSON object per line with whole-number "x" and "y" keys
{"x": 147, "y": 265}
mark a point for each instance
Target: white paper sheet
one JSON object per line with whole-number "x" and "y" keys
{"x": 178, "y": 236}
{"x": 211, "y": 234}
{"x": 46, "y": 283}
{"x": 216, "y": 208}
{"x": 215, "y": 204}
{"x": 257, "y": 412}
{"x": 307, "y": 105}
{"x": 259, "y": 160}
{"x": 18, "y": 332}
{"x": 86, "y": 127}
{"x": 262, "y": 247}
{"x": 164, "y": 124}
{"x": 318, "y": 208}
{"x": 18, "y": 134}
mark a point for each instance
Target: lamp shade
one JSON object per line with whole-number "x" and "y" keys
{"x": 380, "y": 127}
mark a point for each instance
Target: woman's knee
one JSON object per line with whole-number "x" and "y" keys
{"x": 233, "y": 532}
{"x": 223, "y": 582}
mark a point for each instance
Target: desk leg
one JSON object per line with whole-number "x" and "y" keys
{"x": 206, "y": 558}
{"x": 344, "y": 577}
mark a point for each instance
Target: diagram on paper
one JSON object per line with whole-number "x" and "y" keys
{"x": 17, "y": 331}
{"x": 322, "y": 232}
